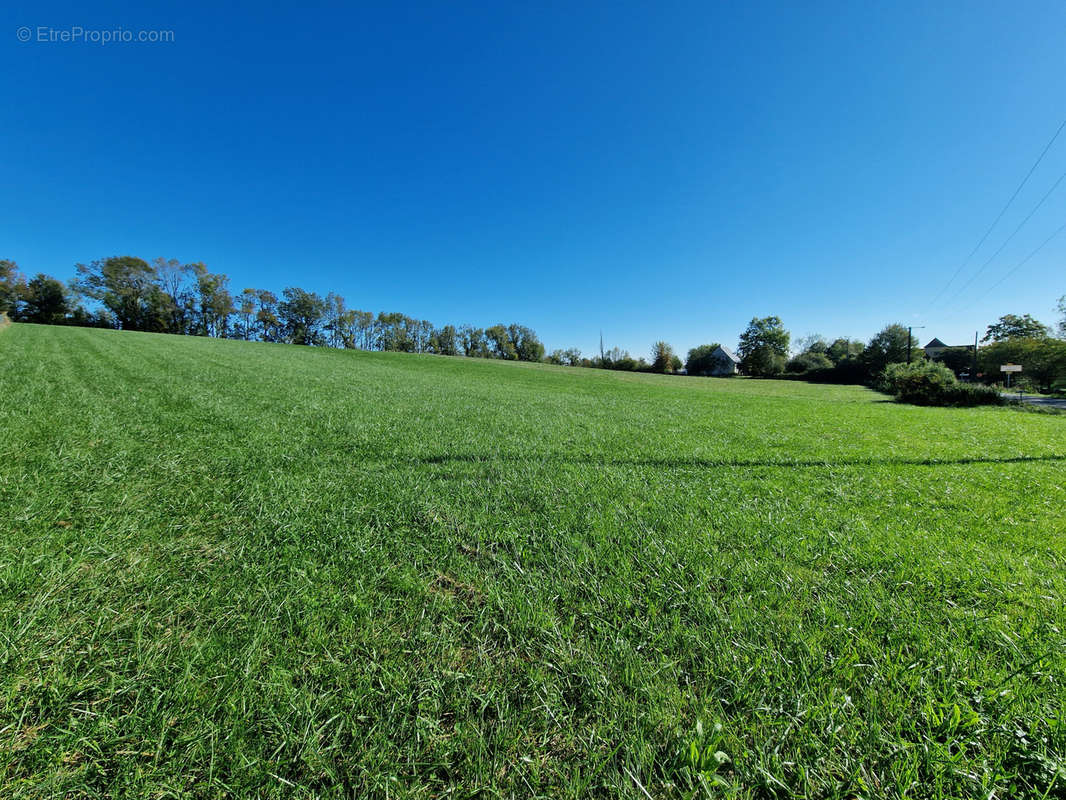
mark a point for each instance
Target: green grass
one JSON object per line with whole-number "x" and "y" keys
{"x": 232, "y": 569}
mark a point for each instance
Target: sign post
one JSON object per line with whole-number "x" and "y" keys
{"x": 1009, "y": 368}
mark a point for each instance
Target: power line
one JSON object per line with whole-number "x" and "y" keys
{"x": 999, "y": 216}
{"x": 1018, "y": 266}
{"x": 999, "y": 250}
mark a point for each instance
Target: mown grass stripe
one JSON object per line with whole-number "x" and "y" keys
{"x": 259, "y": 570}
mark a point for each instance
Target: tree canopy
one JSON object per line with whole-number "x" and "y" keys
{"x": 302, "y": 316}
{"x": 701, "y": 360}
{"x": 126, "y": 287}
{"x": 843, "y": 348}
{"x": 45, "y": 301}
{"x": 1011, "y": 326}
{"x": 662, "y": 357}
{"x": 763, "y": 347}
{"x": 1043, "y": 360}
{"x": 12, "y": 287}
{"x": 957, "y": 359}
{"x": 168, "y": 296}
{"x": 893, "y": 344}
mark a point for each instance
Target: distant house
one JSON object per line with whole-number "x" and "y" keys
{"x": 936, "y": 348}
{"x": 725, "y": 362}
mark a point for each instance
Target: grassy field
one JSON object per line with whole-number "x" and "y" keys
{"x": 232, "y": 569}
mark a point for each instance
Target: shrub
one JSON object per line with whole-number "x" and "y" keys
{"x": 972, "y": 394}
{"x": 926, "y": 383}
{"x": 920, "y": 376}
{"x": 848, "y": 370}
{"x": 806, "y": 362}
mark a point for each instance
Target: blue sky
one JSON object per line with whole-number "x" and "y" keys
{"x": 651, "y": 170}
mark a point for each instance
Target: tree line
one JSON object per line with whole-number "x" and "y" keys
{"x": 167, "y": 296}
{"x": 765, "y": 350}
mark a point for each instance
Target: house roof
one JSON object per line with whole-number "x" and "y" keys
{"x": 730, "y": 353}
{"x": 934, "y": 343}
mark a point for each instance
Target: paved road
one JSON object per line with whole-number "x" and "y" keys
{"x": 1048, "y": 402}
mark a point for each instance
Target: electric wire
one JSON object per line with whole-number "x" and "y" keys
{"x": 999, "y": 216}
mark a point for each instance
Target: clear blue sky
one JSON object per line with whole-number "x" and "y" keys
{"x": 654, "y": 170}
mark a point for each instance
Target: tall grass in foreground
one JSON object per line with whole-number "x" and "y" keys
{"x": 233, "y": 569}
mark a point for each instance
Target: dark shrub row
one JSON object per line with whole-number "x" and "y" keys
{"x": 927, "y": 383}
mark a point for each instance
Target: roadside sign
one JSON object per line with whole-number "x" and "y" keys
{"x": 1009, "y": 368}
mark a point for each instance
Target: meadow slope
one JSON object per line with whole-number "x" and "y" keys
{"x": 263, "y": 570}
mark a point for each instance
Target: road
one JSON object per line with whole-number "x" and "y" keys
{"x": 1047, "y": 402}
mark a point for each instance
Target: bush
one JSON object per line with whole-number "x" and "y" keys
{"x": 809, "y": 361}
{"x": 920, "y": 376}
{"x": 927, "y": 383}
{"x": 848, "y": 370}
{"x": 973, "y": 394}
{"x": 763, "y": 362}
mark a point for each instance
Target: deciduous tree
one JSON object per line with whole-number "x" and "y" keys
{"x": 843, "y": 348}
{"x": 302, "y": 315}
{"x": 1042, "y": 359}
{"x": 363, "y": 329}
{"x": 524, "y": 342}
{"x": 500, "y": 344}
{"x": 662, "y": 357}
{"x": 812, "y": 343}
{"x": 473, "y": 342}
{"x": 394, "y": 332}
{"x": 267, "y": 320}
{"x": 124, "y": 285}
{"x": 246, "y": 306}
{"x": 46, "y": 301}
{"x": 336, "y": 320}
{"x": 215, "y": 304}
{"x": 174, "y": 300}
{"x": 12, "y": 287}
{"x": 763, "y": 346}
{"x": 445, "y": 341}
{"x": 890, "y": 346}
{"x": 957, "y": 359}
{"x": 1011, "y": 326}
{"x": 700, "y": 360}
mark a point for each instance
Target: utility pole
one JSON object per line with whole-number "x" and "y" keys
{"x": 973, "y": 371}
{"x": 909, "y": 347}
